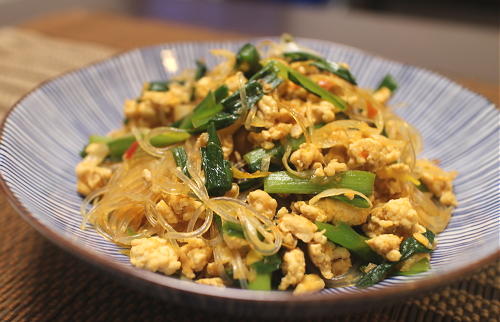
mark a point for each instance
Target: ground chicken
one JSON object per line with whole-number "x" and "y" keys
{"x": 305, "y": 156}
{"x": 204, "y": 85}
{"x": 374, "y": 152}
{"x": 166, "y": 212}
{"x": 438, "y": 181}
{"x": 234, "y": 82}
{"x": 89, "y": 174}
{"x": 323, "y": 112}
{"x": 141, "y": 113}
{"x": 391, "y": 181}
{"x": 330, "y": 259}
{"x": 394, "y": 217}
{"x": 294, "y": 267}
{"x": 309, "y": 284}
{"x": 227, "y": 145}
{"x": 154, "y": 254}
{"x": 310, "y": 212}
{"x": 155, "y": 108}
{"x": 182, "y": 206}
{"x": 333, "y": 167}
{"x": 335, "y": 211}
{"x": 299, "y": 226}
{"x": 214, "y": 281}
{"x": 382, "y": 95}
{"x": 267, "y": 109}
{"x": 224, "y": 256}
{"x": 276, "y": 132}
{"x": 386, "y": 245}
{"x": 263, "y": 203}
{"x": 194, "y": 256}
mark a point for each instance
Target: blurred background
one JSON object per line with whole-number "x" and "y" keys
{"x": 459, "y": 38}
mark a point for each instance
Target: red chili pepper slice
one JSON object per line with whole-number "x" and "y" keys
{"x": 372, "y": 112}
{"x": 131, "y": 150}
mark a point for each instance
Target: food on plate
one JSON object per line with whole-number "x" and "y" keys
{"x": 271, "y": 170}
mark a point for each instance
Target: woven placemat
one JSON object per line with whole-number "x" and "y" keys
{"x": 40, "y": 282}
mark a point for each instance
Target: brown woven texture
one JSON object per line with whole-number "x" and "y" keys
{"x": 40, "y": 282}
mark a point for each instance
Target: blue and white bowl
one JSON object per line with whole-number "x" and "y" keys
{"x": 42, "y": 135}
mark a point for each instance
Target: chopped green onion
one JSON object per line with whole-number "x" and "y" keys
{"x": 388, "y": 82}
{"x": 118, "y": 146}
{"x": 205, "y": 110}
{"x": 218, "y": 175}
{"x": 312, "y": 87}
{"x": 158, "y": 86}
{"x": 409, "y": 247}
{"x": 248, "y": 60}
{"x": 343, "y": 235}
{"x": 262, "y": 282}
{"x": 233, "y": 229}
{"x": 283, "y": 182}
{"x": 264, "y": 270}
{"x": 322, "y": 64}
{"x": 180, "y": 157}
{"x": 201, "y": 70}
{"x": 421, "y": 266}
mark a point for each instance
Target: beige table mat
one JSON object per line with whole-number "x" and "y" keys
{"x": 28, "y": 58}
{"x": 38, "y": 281}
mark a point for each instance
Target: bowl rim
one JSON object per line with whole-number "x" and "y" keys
{"x": 230, "y": 294}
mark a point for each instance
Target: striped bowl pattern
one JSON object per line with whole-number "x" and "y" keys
{"x": 43, "y": 134}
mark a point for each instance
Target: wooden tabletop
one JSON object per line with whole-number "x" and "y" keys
{"x": 123, "y": 33}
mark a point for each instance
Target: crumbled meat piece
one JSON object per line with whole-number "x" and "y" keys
{"x": 396, "y": 216}
{"x": 227, "y": 145}
{"x": 333, "y": 167}
{"x": 374, "y": 153}
{"x": 294, "y": 267}
{"x": 309, "y": 284}
{"x": 90, "y": 175}
{"x": 386, "y": 245}
{"x": 335, "y": 211}
{"x": 224, "y": 256}
{"x": 274, "y": 133}
{"x": 382, "y": 95}
{"x": 267, "y": 109}
{"x": 202, "y": 140}
{"x": 205, "y": 85}
{"x": 234, "y": 82}
{"x": 146, "y": 174}
{"x": 330, "y": 259}
{"x": 166, "y": 212}
{"x": 324, "y": 111}
{"x": 310, "y": 212}
{"x": 299, "y": 226}
{"x": 305, "y": 156}
{"x": 438, "y": 181}
{"x": 156, "y": 108}
{"x": 263, "y": 203}
{"x": 194, "y": 256}
{"x": 154, "y": 254}
{"x": 183, "y": 206}
{"x": 214, "y": 281}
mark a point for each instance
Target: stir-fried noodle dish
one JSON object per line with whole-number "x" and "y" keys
{"x": 272, "y": 170}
